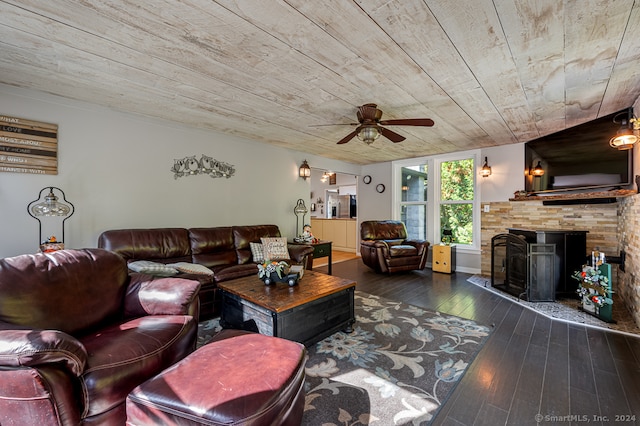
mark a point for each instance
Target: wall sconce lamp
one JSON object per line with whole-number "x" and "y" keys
{"x": 627, "y": 134}
{"x": 305, "y": 171}
{"x": 537, "y": 170}
{"x": 368, "y": 134}
{"x": 50, "y": 207}
{"x": 485, "y": 171}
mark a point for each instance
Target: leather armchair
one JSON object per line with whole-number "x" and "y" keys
{"x": 77, "y": 334}
{"x": 384, "y": 247}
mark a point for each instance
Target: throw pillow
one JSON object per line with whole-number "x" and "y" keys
{"x": 152, "y": 268}
{"x": 192, "y": 268}
{"x": 257, "y": 252}
{"x": 275, "y": 248}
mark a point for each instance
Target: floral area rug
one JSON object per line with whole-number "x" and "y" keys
{"x": 397, "y": 367}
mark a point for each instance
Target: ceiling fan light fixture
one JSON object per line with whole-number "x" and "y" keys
{"x": 326, "y": 175}
{"x": 368, "y": 134}
{"x": 369, "y": 117}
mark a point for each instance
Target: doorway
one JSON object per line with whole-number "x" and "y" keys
{"x": 334, "y": 209}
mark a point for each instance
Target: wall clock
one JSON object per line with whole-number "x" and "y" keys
{"x": 380, "y": 188}
{"x": 367, "y": 179}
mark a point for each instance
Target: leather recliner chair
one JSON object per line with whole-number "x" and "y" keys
{"x": 384, "y": 247}
{"x": 77, "y": 334}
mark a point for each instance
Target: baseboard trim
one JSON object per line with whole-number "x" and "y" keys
{"x": 463, "y": 269}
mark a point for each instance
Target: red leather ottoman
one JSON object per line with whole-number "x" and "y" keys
{"x": 239, "y": 378}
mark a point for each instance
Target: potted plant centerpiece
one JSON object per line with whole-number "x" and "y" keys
{"x": 276, "y": 271}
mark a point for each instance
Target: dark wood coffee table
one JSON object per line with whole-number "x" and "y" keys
{"x": 318, "y": 306}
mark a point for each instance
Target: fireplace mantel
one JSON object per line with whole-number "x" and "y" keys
{"x": 582, "y": 196}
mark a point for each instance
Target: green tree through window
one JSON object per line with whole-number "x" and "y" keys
{"x": 456, "y": 199}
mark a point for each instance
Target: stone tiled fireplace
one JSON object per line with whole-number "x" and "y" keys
{"x": 611, "y": 227}
{"x": 538, "y": 264}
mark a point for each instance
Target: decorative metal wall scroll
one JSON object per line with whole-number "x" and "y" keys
{"x": 188, "y": 166}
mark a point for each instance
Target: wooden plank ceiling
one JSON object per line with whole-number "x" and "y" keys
{"x": 488, "y": 72}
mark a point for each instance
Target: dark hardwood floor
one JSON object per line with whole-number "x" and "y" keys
{"x": 531, "y": 367}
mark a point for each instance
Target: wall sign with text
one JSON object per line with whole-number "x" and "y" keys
{"x": 28, "y": 146}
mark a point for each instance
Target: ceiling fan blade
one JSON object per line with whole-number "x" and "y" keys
{"x": 408, "y": 122}
{"x": 334, "y": 124}
{"x": 349, "y": 136}
{"x": 392, "y": 136}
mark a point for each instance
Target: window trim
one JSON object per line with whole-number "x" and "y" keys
{"x": 434, "y": 195}
{"x": 397, "y": 207}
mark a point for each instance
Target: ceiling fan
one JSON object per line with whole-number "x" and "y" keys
{"x": 370, "y": 125}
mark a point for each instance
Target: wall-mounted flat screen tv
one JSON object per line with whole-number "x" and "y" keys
{"x": 579, "y": 159}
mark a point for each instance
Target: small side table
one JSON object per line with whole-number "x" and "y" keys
{"x": 444, "y": 258}
{"x": 320, "y": 249}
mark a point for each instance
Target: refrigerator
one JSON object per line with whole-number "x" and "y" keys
{"x": 346, "y": 206}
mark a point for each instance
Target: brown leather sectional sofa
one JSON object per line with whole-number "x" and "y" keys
{"x": 78, "y": 333}
{"x": 225, "y": 250}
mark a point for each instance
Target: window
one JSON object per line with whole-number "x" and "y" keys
{"x": 436, "y": 193}
{"x": 413, "y": 204}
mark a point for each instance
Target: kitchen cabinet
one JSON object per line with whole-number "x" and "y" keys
{"x": 336, "y": 230}
{"x": 352, "y": 235}
{"x": 341, "y": 232}
{"x": 317, "y": 228}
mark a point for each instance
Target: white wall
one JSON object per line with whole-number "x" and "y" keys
{"x": 507, "y": 172}
{"x": 115, "y": 169}
{"x": 373, "y": 205}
